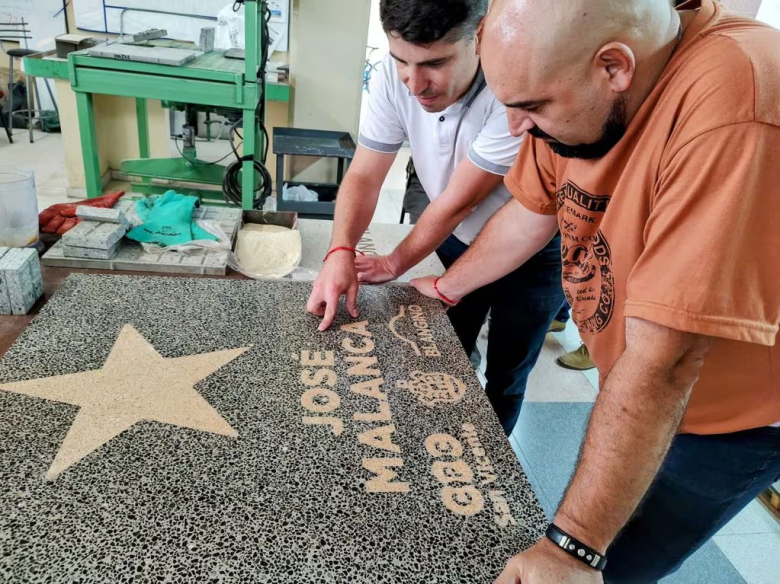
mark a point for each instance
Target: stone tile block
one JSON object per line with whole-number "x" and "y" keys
{"x": 22, "y": 284}
{"x": 72, "y": 251}
{"x": 114, "y": 215}
{"x": 95, "y": 235}
{"x": 5, "y": 302}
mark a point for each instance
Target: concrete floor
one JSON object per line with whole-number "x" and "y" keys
{"x": 744, "y": 552}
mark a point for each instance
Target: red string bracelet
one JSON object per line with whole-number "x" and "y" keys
{"x": 342, "y": 248}
{"x": 442, "y": 296}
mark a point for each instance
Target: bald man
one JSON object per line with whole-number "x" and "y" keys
{"x": 655, "y": 151}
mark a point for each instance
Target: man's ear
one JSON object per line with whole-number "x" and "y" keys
{"x": 480, "y": 31}
{"x": 617, "y": 63}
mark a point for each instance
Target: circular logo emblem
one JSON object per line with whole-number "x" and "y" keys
{"x": 434, "y": 388}
{"x": 588, "y": 280}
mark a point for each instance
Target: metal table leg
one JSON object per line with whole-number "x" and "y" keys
{"x": 11, "y": 99}
{"x": 51, "y": 95}
{"x": 248, "y": 178}
{"x": 89, "y": 145}
{"x": 30, "y": 110}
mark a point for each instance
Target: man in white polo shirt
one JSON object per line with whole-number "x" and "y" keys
{"x": 431, "y": 91}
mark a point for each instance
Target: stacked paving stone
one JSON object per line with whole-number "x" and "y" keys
{"x": 98, "y": 235}
{"x": 21, "y": 283}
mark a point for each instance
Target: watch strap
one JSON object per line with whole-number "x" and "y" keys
{"x": 576, "y": 549}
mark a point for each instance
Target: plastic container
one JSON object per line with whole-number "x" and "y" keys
{"x": 18, "y": 208}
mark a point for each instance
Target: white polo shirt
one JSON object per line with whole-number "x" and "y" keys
{"x": 476, "y": 126}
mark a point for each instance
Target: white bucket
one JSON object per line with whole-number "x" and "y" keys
{"x": 18, "y": 208}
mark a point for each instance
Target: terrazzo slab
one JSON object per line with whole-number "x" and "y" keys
{"x": 94, "y": 235}
{"x": 379, "y": 239}
{"x": 89, "y": 252}
{"x": 131, "y": 256}
{"x": 115, "y": 215}
{"x": 22, "y": 283}
{"x": 188, "y": 430}
{"x": 5, "y": 301}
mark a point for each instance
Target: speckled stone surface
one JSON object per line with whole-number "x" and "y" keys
{"x": 72, "y": 251}
{"x": 293, "y": 497}
{"x": 5, "y": 301}
{"x": 95, "y": 235}
{"x": 130, "y": 256}
{"x": 115, "y": 215}
{"x": 379, "y": 239}
{"x": 21, "y": 283}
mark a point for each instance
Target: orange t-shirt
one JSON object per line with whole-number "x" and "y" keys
{"x": 679, "y": 223}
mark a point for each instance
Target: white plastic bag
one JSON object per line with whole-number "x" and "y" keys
{"x": 299, "y": 193}
{"x": 198, "y": 246}
{"x": 230, "y": 28}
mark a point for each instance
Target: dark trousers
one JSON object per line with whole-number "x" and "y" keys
{"x": 564, "y": 314}
{"x": 522, "y": 305}
{"x": 415, "y": 198}
{"x": 704, "y": 482}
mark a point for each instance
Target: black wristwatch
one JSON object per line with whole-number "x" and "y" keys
{"x": 575, "y": 548}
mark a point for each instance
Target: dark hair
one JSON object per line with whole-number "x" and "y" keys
{"x": 423, "y": 22}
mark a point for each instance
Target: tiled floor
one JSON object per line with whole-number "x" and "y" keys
{"x": 557, "y": 407}
{"x": 45, "y": 158}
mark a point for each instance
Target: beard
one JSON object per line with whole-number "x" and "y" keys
{"x": 612, "y": 132}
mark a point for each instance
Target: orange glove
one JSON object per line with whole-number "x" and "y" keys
{"x": 60, "y": 218}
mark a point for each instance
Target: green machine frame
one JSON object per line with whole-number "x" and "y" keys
{"x": 210, "y": 80}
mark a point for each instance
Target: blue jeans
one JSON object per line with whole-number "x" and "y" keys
{"x": 703, "y": 483}
{"x": 564, "y": 314}
{"x": 522, "y": 305}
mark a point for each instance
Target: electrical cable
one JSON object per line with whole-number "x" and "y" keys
{"x": 199, "y": 162}
{"x": 231, "y": 183}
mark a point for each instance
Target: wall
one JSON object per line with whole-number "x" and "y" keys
{"x": 327, "y": 56}
{"x": 117, "y": 134}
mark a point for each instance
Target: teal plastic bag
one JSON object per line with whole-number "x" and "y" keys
{"x": 167, "y": 220}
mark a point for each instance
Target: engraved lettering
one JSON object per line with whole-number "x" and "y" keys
{"x": 336, "y": 425}
{"x": 381, "y": 437}
{"x": 443, "y": 445}
{"x": 466, "y": 501}
{"x": 316, "y": 358}
{"x": 384, "y": 481}
{"x": 320, "y": 400}
{"x": 326, "y": 376}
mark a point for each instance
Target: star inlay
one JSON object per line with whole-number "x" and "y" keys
{"x": 136, "y": 383}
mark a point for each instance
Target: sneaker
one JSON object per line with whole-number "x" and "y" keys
{"x": 579, "y": 360}
{"x": 475, "y": 358}
{"x": 556, "y": 326}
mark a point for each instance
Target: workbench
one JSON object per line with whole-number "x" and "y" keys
{"x": 209, "y": 80}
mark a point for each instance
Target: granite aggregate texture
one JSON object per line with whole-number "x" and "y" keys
{"x": 21, "y": 282}
{"x": 115, "y": 215}
{"x": 5, "y": 301}
{"x": 90, "y": 252}
{"x": 365, "y": 454}
{"x": 94, "y": 235}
